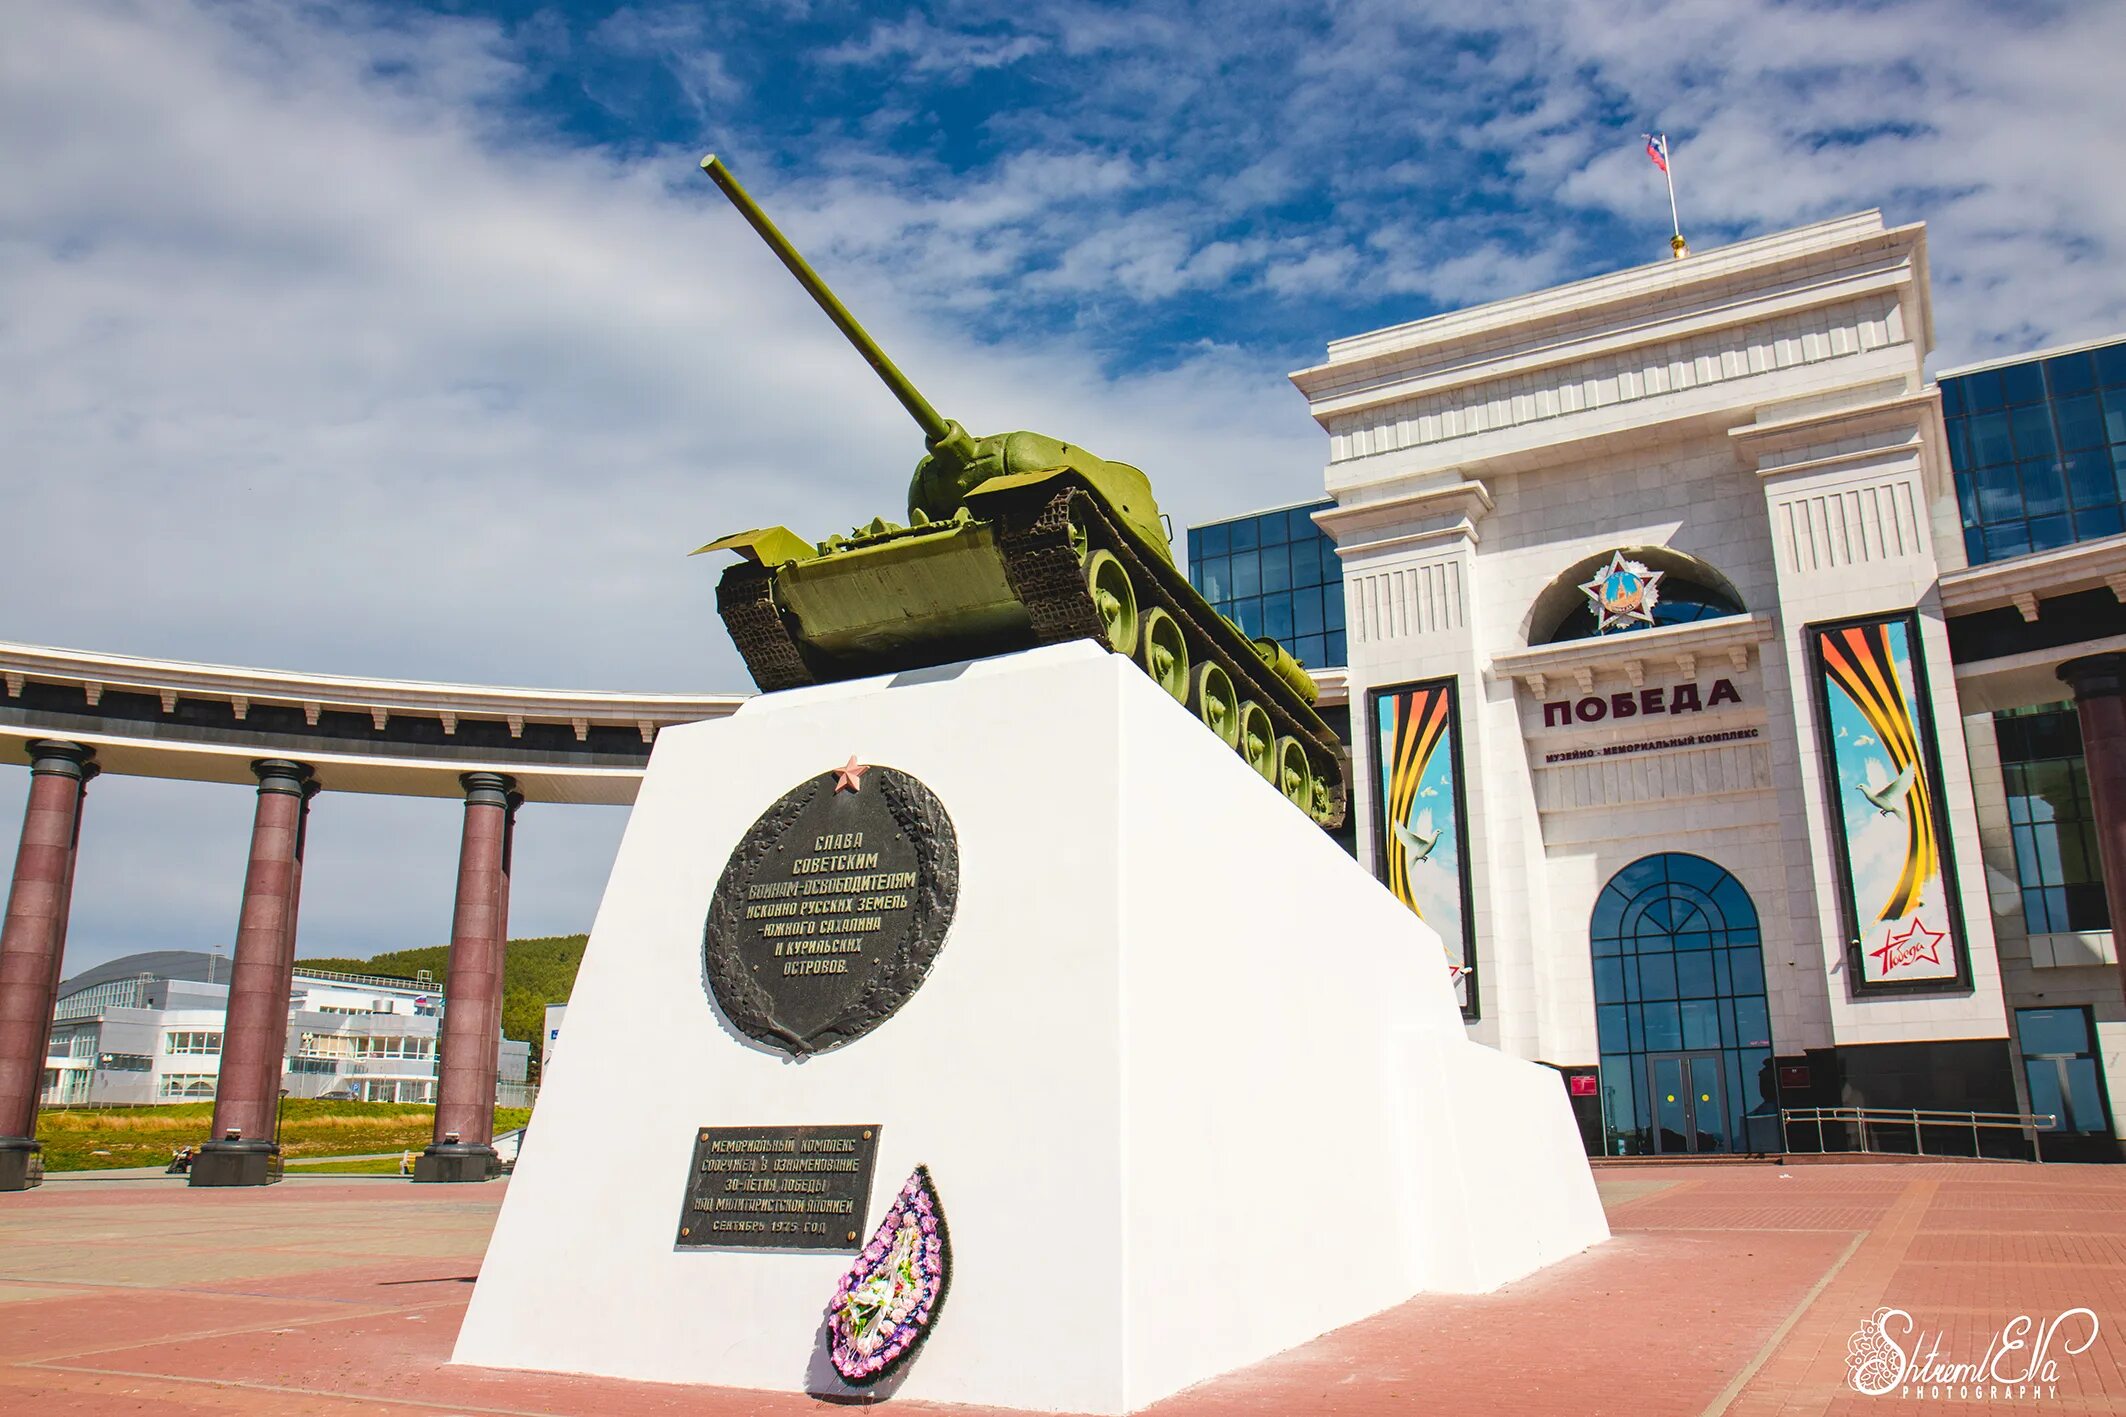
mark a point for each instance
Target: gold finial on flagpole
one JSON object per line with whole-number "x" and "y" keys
{"x": 1678, "y": 247}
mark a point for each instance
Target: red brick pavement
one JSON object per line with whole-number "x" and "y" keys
{"x": 1727, "y": 1290}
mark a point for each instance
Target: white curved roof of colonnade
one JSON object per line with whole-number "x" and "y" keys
{"x": 209, "y": 722}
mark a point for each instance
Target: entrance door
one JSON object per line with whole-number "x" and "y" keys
{"x": 1689, "y": 1097}
{"x": 2060, "y": 1066}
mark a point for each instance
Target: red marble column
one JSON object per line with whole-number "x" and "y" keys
{"x": 472, "y": 989}
{"x": 254, "y": 1041}
{"x": 32, "y": 945}
{"x": 2099, "y": 683}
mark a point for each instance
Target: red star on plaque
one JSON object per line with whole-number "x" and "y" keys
{"x": 850, "y": 775}
{"x": 1916, "y": 945}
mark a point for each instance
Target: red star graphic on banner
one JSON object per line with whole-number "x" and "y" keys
{"x": 850, "y": 775}
{"x": 1916, "y": 945}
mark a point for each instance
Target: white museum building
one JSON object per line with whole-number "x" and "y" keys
{"x": 1678, "y": 667}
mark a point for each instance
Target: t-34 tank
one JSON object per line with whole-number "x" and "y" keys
{"x": 1012, "y": 541}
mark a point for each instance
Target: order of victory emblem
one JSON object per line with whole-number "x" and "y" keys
{"x": 1623, "y": 594}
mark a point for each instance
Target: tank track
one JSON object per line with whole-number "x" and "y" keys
{"x": 745, "y": 598}
{"x": 1042, "y": 566}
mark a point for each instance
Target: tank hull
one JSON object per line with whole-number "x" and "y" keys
{"x": 1009, "y": 574}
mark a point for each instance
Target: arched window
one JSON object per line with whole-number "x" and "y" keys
{"x": 1680, "y": 1010}
{"x": 1688, "y": 588}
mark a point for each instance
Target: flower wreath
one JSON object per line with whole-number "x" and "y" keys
{"x": 885, "y": 1304}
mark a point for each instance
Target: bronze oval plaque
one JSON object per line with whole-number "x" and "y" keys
{"x": 832, "y": 909}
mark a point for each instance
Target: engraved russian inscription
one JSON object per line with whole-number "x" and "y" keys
{"x": 832, "y": 909}
{"x": 783, "y": 1188}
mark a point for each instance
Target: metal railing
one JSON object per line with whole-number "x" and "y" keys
{"x": 430, "y": 985}
{"x": 1899, "y": 1121}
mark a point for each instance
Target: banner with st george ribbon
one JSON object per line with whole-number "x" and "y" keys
{"x": 1419, "y": 846}
{"x": 1895, "y": 874}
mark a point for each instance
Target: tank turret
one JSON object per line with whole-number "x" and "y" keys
{"x": 956, "y": 463}
{"x": 1012, "y": 540}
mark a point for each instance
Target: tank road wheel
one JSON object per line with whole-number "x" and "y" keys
{"x": 1114, "y": 599}
{"x": 1258, "y": 740}
{"x": 1295, "y": 778}
{"x": 1165, "y": 653}
{"x": 1211, "y": 696}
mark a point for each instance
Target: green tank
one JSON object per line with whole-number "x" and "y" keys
{"x": 1012, "y": 541}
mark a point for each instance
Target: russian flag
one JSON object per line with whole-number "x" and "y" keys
{"x": 1657, "y": 149}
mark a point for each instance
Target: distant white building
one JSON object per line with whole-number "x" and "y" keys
{"x": 148, "y": 1028}
{"x": 554, "y": 1014}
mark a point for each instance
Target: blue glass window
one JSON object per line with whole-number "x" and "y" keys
{"x": 1276, "y": 568}
{"x": 2039, "y": 449}
{"x": 2022, "y": 384}
{"x": 2070, "y": 374}
{"x": 2097, "y": 521}
{"x": 1306, "y": 562}
{"x": 2111, "y": 366}
{"x": 1677, "y": 969}
{"x": 2031, "y": 427}
{"x": 2051, "y": 820}
{"x": 2081, "y": 422}
{"x": 1277, "y": 617}
{"x": 1276, "y": 574}
{"x": 1986, "y": 434}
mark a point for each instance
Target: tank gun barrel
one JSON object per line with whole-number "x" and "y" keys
{"x": 936, "y": 427}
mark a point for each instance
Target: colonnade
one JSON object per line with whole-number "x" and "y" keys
{"x": 243, "y": 1148}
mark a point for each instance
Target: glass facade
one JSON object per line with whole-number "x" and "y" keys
{"x": 1686, "y": 1036}
{"x": 2051, "y": 819}
{"x": 1276, "y": 574}
{"x": 2039, "y": 450}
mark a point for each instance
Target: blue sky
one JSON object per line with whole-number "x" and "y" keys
{"x": 408, "y": 341}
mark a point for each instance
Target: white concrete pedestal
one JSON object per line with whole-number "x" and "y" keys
{"x": 1191, "y": 1084}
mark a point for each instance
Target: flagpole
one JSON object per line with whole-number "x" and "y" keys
{"x": 1677, "y": 247}
{"x": 1668, "y": 171}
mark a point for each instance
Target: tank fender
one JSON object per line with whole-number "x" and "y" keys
{"x": 765, "y": 546}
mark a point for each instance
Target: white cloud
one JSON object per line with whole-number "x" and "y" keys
{"x": 677, "y": 39}
{"x": 917, "y": 46}
{"x": 314, "y": 361}
{"x": 326, "y": 348}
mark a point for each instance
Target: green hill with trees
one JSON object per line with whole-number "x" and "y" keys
{"x": 535, "y": 973}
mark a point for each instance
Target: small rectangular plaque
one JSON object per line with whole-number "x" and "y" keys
{"x": 778, "y": 1188}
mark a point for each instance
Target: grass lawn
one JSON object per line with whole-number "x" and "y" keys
{"x": 95, "y": 1139}
{"x": 371, "y": 1166}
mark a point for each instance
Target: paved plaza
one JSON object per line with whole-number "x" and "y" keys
{"x": 1728, "y": 1289}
